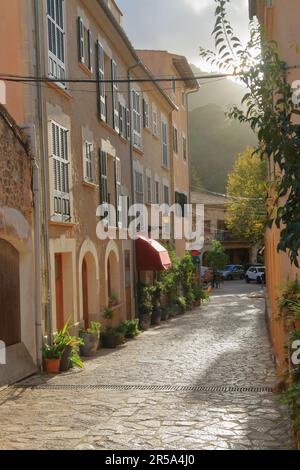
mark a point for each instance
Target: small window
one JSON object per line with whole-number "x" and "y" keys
{"x": 165, "y": 149}
{"x": 88, "y": 162}
{"x": 136, "y": 119}
{"x": 139, "y": 188}
{"x": 157, "y": 195}
{"x": 145, "y": 113}
{"x": 166, "y": 195}
{"x": 115, "y": 97}
{"x": 154, "y": 122}
{"x": 103, "y": 178}
{"x": 175, "y": 140}
{"x": 85, "y": 45}
{"x": 149, "y": 189}
{"x": 56, "y": 39}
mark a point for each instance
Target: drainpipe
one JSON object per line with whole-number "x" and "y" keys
{"x": 44, "y": 183}
{"x": 135, "y": 274}
{"x": 189, "y": 138}
{"x": 38, "y": 263}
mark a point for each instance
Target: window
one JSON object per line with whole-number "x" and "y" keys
{"x": 154, "y": 121}
{"x": 101, "y": 86}
{"x": 103, "y": 178}
{"x": 136, "y": 118}
{"x": 128, "y": 133}
{"x": 149, "y": 189}
{"x": 165, "y": 144}
{"x": 56, "y": 39}
{"x": 184, "y": 148}
{"x": 85, "y": 44}
{"x": 139, "y": 188}
{"x": 88, "y": 162}
{"x": 145, "y": 113}
{"x": 175, "y": 139}
{"x": 61, "y": 190}
{"x": 115, "y": 98}
{"x": 123, "y": 121}
{"x": 157, "y": 195}
{"x": 166, "y": 194}
{"x": 181, "y": 200}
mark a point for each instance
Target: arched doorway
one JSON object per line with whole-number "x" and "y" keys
{"x": 113, "y": 275}
{"x": 89, "y": 289}
{"x": 10, "y": 318}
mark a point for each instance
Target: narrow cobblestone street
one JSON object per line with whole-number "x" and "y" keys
{"x": 223, "y": 344}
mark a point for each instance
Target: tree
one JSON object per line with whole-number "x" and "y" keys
{"x": 246, "y": 215}
{"x": 270, "y": 111}
{"x": 216, "y": 257}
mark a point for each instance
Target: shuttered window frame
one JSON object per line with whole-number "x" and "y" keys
{"x": 60, "y": 173}
{"x": 101, "y": 86}
{"x": 56, "y": 40}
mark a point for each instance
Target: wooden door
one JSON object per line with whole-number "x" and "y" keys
{"x": 128, "y": 285}
{"x": 59, "y": 289}
{"x": 10, "y": 317}
{"x": 85, "y": 297}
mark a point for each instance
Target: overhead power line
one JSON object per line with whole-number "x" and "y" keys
{"x": 28, "y": 79}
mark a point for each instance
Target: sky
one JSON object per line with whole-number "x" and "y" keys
{"x": 179, "y": 26}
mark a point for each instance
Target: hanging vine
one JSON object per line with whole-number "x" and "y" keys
{"x": 269, "y": 109}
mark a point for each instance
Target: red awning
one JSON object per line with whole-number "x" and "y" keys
{"x": 151, "y": 255}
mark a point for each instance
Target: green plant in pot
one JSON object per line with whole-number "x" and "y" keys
{"x": 110, "y": 337}
{"x": 156, "y": 291}
{"x": 51, "y": 358}
{"x": 289, "y": 304}
{"x": 69, "y": 347}
{"x": 145, "y": 306}
{"x": 90, "y": 337}
{"x": 131, "y": 328}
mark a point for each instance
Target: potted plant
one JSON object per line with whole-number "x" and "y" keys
{"x": 69, "y": 348}
{"x": 181, "y": 302}
{"x": 51, "y": 359}
{"x": 289, "y": 304}
{"x": 90, "y": 338}
{"x": 113, "y": 300}
{"x": 131, "y": 328}
{"x": 110, "y": 336}
{"x": 145, "y": 307}
{"x": 165, "y": 313}
{"x": 156, "y": 291}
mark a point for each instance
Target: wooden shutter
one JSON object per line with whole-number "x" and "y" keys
{"x": 128, "y": 124}
{"x": 101, "y": 85}
{"x": 103, "y": 177}
{"x": 118, "y": 189}
{"x": 80, "y": 40}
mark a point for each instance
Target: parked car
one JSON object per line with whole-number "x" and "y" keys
{"x": 252, "y": 265}
{"x": 256, "y": 274}
{"x": 233, "y": 271}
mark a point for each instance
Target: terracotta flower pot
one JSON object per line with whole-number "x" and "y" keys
{"x": 52, "y": 366}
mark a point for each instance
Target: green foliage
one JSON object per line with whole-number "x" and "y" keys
{"x": 181, "y": 302}
{"x": 64, "y": 340}
{"x": 51, "y": 352}
{"x": 94, "y": 328}
{"x": 131, "y": 328}
{"x": 187, "y": 270}
{"x": 145, "y": 299}
{"x": 246, "y": 215}
{"x": 270, "y": 112}
{"x": 108, "y": 313}
{"x": 171, "y": 277}
{"x": 216, "y": 257}
{"x": 199, "y": 292}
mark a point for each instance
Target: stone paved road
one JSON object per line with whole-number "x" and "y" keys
{"x": 222, "y": 344}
